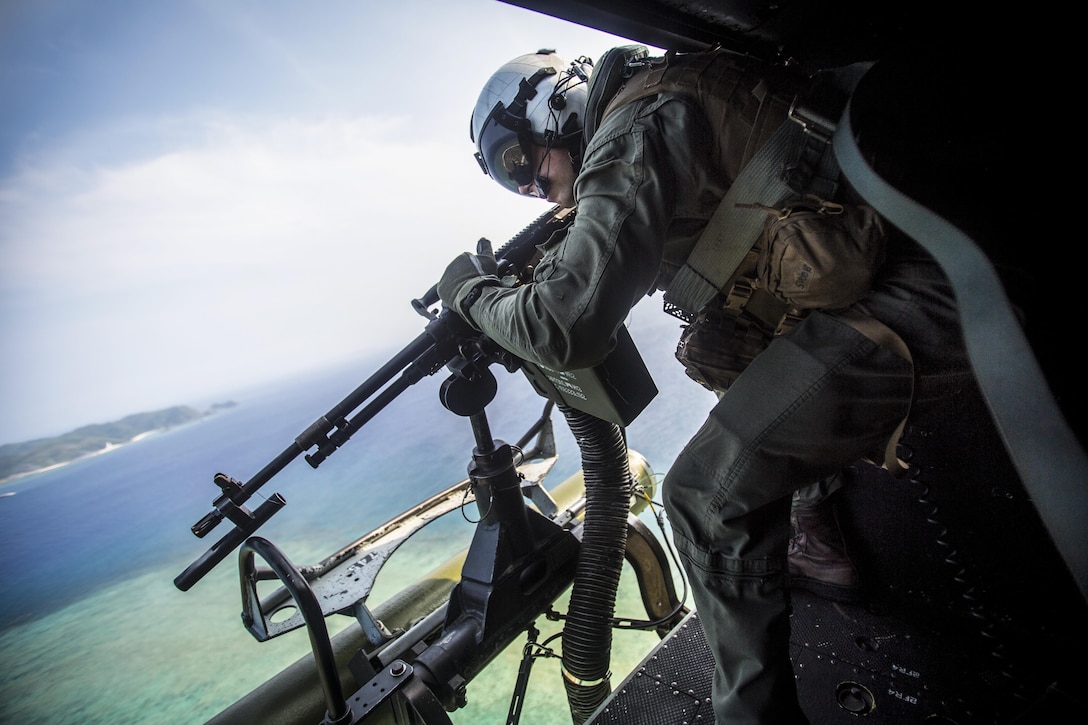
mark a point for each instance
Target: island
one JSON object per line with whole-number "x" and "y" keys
{"x": 20, "y": 459}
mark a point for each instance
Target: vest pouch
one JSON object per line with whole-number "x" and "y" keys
{"x": 719, "y": 344}
{"x": 816, "y": 254}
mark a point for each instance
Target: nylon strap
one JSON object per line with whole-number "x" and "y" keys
{"x": 1046, "y": 451}
{"x": 884, "y": 336}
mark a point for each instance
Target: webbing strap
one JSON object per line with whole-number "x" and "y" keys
{"x": 884, "y": 336}
{"x": 731, "y": 232}
{"x": 1047, "y": 453}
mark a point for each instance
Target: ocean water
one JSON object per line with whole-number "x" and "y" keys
{"x": 92, "y": 628}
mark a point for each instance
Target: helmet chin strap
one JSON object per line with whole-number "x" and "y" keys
{"x": 572, "y": 141}
{"x": 542, "y": 183}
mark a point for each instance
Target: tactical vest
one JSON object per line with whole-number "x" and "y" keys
{"x": 746, "y": 102}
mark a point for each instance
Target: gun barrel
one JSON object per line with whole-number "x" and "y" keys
{"x": 231, "y": 541}
{"x": 371, "y": 385}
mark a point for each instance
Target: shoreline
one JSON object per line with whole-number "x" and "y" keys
{"x": 105, "y": 449}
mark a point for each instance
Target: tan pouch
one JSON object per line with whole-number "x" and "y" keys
{"x": 817, "y": 254}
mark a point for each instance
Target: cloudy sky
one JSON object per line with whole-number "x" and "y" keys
{"x": 200, "y": 195}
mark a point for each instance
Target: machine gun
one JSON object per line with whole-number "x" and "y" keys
{"x": 616, "y": 390}
{"x": 520, "y": 559}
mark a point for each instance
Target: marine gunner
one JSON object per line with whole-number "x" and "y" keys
{"x": 645, "y": 180}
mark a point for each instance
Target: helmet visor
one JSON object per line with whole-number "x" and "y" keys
{"x": 502, "y": 155}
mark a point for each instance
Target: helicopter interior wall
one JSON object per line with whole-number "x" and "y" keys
{"x": 811, "y": 33}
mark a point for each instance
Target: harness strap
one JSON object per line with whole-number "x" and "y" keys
{"x": 887, "y": 338}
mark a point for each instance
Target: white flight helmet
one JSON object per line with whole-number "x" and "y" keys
{"x": 534, "y": 99}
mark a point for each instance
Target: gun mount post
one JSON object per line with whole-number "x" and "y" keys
{"x": 518, "y": 562}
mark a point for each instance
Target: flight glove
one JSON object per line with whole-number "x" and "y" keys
{"x": 465, "y": 276}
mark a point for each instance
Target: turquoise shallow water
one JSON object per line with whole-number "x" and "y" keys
{"x": 92, "y": 629}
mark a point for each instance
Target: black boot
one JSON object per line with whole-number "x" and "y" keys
{"x": 818, "y": 561}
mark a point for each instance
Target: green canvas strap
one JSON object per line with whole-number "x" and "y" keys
{"x": 1046, "y": 451}
{"x": 884, "y": 336}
